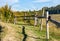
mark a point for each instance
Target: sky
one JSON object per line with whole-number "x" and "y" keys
{"x": 24, "y": 5}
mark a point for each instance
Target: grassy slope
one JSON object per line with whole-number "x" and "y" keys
{"x": 35, "y": 33}
{"x": 41, "y": 35}
{"x": 6, "y": 32}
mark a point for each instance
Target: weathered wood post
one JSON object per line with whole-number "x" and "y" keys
{"x": 36, "y": 20}
{"x": 25, "y": 17}
{"x": 0, "y": 16}
{"x": 47, "y": 26}
{"x": 41, "y": 24}
{"x": 42, "y": 21}
{"x": 14, "y": 19}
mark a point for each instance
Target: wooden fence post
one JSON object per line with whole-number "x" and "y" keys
{"x": 47, "y": 26}
{"x": 25, "y": 17}
{"x": 36, "y": 20}
{"x": 0, "y": 16}
{"x": 41, "y": 25}
{"x": 14, "y": 19}
{"x": 42, "y": 21}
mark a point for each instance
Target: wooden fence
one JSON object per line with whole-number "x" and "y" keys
{"x": 35, "y": 18}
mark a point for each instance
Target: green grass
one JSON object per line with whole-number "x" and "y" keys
{"x": 42, "y": 34}
{"x": 54, "y": 32}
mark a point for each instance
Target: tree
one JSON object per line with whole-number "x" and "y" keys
{"x": 6, "y": 13}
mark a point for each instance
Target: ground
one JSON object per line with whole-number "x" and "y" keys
{"x": 13, "y": 32}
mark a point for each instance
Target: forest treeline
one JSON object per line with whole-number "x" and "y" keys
{"x": 54, "y": 10}
{"x": 7, "y": 14}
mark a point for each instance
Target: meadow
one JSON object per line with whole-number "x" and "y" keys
{"x": 14, "y": 32}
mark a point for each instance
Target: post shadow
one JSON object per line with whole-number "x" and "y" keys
{"x": 0, "y": 29}
{"x": 47, "y": 39}
{"x": 23, "y": 32}
{"x": 0, "y": 32}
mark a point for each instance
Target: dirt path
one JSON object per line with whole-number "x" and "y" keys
{"x": 30, "y": 35}
{"x": 10, "y": 35}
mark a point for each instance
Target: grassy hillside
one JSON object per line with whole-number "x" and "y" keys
{"x": 33, "y": 33}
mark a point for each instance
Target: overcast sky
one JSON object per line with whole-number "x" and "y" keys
{"x": 23, "y": 5}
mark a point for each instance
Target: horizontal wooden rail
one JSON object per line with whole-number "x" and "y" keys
{"x": 30, "y": 16}
{"x": 55, "y": 22}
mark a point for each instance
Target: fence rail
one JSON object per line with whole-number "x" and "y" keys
{"x": 30, "y": 16}
{"x": 55, "y": 22}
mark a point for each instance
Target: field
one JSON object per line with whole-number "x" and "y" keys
{"x": 56, "y": 17}
{"x": 14, "y": 32}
